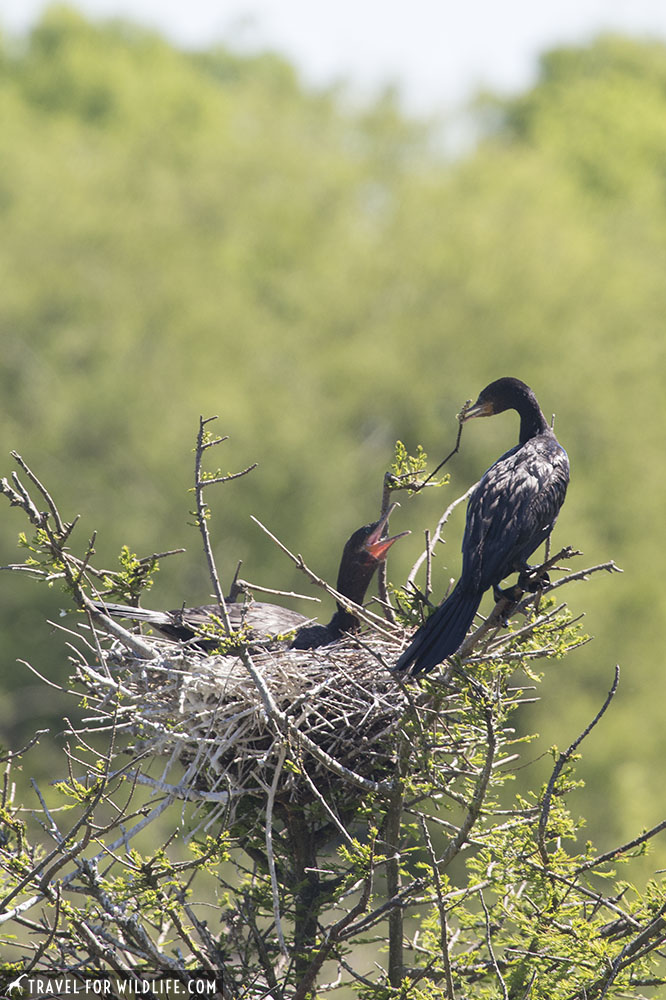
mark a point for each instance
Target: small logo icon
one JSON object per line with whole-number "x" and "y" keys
{"x": 16, "y": 983}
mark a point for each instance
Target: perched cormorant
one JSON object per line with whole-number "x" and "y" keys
{"x": 510, "y": 513}
{"x": 361, "y": 556}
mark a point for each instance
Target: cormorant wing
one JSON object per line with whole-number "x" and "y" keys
{"x": 513, "y": 510}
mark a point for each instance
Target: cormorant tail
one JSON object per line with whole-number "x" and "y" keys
{"x": 443, "y": 633}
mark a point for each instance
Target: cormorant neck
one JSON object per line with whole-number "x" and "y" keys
{"x": 530, "y": 426}
{"x": 354, "y": 577}
{"x": 342, "y": 621}
{"x": 532, "y": 420}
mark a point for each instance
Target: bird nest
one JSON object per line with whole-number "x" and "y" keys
{"x": 294, "y": 722}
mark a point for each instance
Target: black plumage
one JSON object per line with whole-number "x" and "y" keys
{"x": 510, "y": 513}
{"x": 362, "y": 554}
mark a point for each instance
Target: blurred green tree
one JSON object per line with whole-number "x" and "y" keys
{"x": 189, "y": 233}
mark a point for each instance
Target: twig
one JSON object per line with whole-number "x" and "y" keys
{"x": 270, "y": 856}
{"x": 508, "y": 606}
{"x": 461, "y": 420}
{"x": 382, "y": 578}
{"x": 640, "y": 943}
{"x": 491, "y": 950}
{"x": 562, "y": 760}
{"x": 377, "y": 623}
{"x": 61, "y": 528}
{"x": 436, "y": 536}
{"x": 455, "y": 845}
{"x": 244, "y": 585}
{"x": 156, "y": 556}
{"x": 622, "y": 849}
{"x": 325, "y": 806}
{"x": 583, "y": 574}
{"x": 443, "y": 923}
{"x": 332, "y": 935}
{"x": 202, "y": 518}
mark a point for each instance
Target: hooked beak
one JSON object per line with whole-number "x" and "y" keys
{"x": 376, "y": 545}
{"x": 484, "y": 409}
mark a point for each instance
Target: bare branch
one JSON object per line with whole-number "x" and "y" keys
{"x": 202, "y": 520}
{"x": 431, "y": 543}
{"x": 561, "y": 761}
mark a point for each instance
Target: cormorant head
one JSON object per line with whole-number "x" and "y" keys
{"x": 363, "y": 553}
{"x": 367, "y": 544}
{"x": 503, "y": 394}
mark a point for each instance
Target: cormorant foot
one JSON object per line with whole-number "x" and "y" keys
{"x": 532, "y": 581}
{"x": 512, "y": 594}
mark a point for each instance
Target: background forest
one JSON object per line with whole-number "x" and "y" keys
{"x": 199, "y": 233}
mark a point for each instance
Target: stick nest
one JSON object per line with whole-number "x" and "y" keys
{"x": 209, "y": 713}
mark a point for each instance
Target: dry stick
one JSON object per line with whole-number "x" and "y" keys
{"x": 130, "y": 640}
{"x": 429, "y": 554}
{"x": 393, "y": 882}
{"x": 244, "y": 585}
{"x": 622, "y": 849}
{"x": 628, "y": 954}
{"x": 382, "y": 578}
{"x": 48, "y": 941}
{"x": 583, "y": 574}
{"x": 235, "y": 587}
{"x": 62, "y": 529}
{"x": 474, "y": 808}
{"x": 563, "y": 758}
{"x": 325, "y": 806}
{"x": 432, "y": 544}
{"x": 379, "y": 624}
{"x": 443, "y": 924}
{"x": 124, "y": 840}
{"x": 11, "y": 755}
{"x": 596, "y": 897}
{"x": 201, "y": 515}
{"x": 333, "y": 765}
{"x": 270, "y": 857}
{"x": 46, "y": 861}
{"x": 506, "y": 606}
{"x": 73, "y": 568}
{"x": 156, "y": 556}
{"x": 404, "y": 897}
{"x": 180, "y": 791}
{"x": 269, "y": 703}
{"x": 332, "y": 935}
{"x": 461, "y": 419}
{"x": 491, "y": 950}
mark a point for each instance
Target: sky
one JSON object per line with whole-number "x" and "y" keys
{"x": 439, "y": 52}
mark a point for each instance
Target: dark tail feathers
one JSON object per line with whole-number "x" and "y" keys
{"x": 443, "y": 633}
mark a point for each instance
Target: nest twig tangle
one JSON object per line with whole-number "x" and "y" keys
{"x": 337, "y": 712}
{"x": 335, "y": 709}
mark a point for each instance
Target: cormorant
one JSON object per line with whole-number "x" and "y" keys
{"x": 509, "y": 514}
{"x": 361, "y": 556}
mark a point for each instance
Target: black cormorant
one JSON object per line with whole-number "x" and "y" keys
{"x": 361, "y": 556}
{"x": 510, "y": 513}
